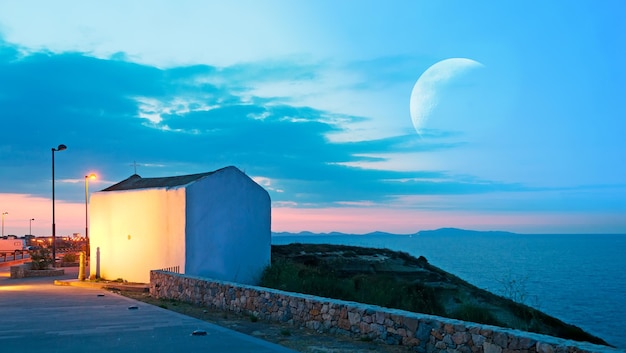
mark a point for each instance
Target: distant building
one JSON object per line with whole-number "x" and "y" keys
{"x": 214, "y": 224}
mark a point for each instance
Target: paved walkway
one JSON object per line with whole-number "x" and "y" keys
{"x": 37, "y": 316}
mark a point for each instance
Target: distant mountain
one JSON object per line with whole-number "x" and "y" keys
{"x": 385, "y": 234}
{"x": 308, "y": 234}
{"x": 462, "y": 232}
{"x": 435, "y": 232}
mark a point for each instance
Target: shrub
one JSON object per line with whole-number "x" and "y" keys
{"x": 388, "y": 291}
{"x": 475, "y": 313}
{"x": 376, "y": 289}
{"x": 41, "y": 259}
{"x": 299, "y": 278}
{"x": 69, "y": 257}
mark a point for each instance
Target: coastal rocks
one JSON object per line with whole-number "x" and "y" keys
{"x": 424, "y": 333}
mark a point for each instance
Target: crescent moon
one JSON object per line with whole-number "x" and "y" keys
{"x": 424, "y": 97}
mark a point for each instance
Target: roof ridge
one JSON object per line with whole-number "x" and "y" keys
{"x": 135, "y": 181}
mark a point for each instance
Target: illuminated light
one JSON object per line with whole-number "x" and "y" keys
{"x": 17, "y": 288}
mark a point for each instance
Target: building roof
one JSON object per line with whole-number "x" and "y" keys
{"x": 137, "y": 182}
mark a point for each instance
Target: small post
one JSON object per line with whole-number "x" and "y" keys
{"x": 98, "y": 262}
{"x": 81, "y": 268}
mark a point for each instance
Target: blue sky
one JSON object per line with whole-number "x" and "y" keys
{"x": 311, "y": 99}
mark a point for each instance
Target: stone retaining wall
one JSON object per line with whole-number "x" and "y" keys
{"x": 426, "y": 333}
{"x": 24, "y": 270}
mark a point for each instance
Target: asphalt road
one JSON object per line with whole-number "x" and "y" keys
{"x": 37, "y": 316}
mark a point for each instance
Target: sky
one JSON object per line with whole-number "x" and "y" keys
{"x": 356, "y": 115}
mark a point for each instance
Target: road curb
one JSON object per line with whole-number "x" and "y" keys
{"x": 135, "y": 287}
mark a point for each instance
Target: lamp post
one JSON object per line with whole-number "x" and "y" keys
{"x": 3, "y": 213}
{"x": 54, "y": 231}
{"x": 30, "y": 226}
{"x": 87, "y": 177}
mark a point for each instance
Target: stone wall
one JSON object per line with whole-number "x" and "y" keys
{"x": 24, "y": 270}
{"x": 426, "y": 333}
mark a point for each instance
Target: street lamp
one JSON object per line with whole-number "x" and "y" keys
{"x": 54, "y": 231}
{"x": 3, "y": 213}
{"x": 30, "y": 226}
{"x": 87, "y": 177}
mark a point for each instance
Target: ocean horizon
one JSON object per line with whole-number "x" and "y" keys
{"x": 577, "y": 278}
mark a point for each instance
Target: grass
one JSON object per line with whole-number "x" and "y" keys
{"x": 377, "y": 289}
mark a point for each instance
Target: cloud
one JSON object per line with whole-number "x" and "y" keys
{"x": 192, "y": 119}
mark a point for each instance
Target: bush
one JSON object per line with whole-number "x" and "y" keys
{"x": 475, "y": 313}
{"x": 69, "y": 257}
{"x": 41, "y": 259}
{"x": 388, "y": 291}
{"x": 293, "y": 277}
{"x": 376, "y": 289}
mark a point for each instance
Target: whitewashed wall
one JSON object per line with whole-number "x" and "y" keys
{"x": 137, "y": 231}
{"x": 228, "y": 227}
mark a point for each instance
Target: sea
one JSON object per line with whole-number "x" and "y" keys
{"x": 577, "y": 278}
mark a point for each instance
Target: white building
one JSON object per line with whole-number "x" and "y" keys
{"x": 215, "y": 224}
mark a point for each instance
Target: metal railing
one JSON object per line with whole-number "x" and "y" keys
{"x": 13, "y": 255}
{"x": 174, "y": 269}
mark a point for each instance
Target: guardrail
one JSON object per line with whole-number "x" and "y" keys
{"x": 13, "y": 254}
